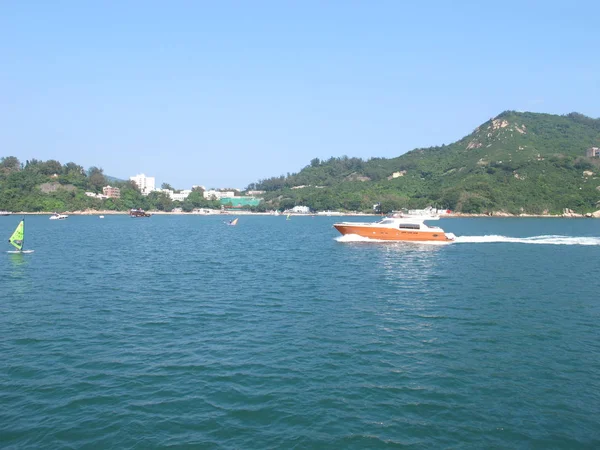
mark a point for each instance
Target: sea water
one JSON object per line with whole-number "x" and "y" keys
{"x": 180, "y": 331}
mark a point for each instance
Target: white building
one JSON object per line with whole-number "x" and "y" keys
{"x": 176, "y": 196}
{"x": 144, "y": 183}
{"x": 100, "y": 196}
{"x": 180, "y": 196}
{"x": 218, "y": 194}
{"x": 301, "y": 209}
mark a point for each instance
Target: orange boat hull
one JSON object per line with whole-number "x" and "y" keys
{"x": 392, "y": 234}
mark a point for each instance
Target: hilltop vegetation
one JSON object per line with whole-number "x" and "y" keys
{"x": 50, "y": 186}
{"x": 516, "y": 162}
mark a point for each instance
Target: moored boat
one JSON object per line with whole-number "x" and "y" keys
{"x": 138, "y": 213}
{"x": 57, "y": 216}
{"x": 397, "y": 228}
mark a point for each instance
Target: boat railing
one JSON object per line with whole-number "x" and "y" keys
{"x": 419, "y": 217}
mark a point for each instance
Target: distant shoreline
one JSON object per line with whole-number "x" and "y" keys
{"x": 595, "y": 215}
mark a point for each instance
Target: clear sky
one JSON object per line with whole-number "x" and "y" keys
{"x": 223, "y": 93}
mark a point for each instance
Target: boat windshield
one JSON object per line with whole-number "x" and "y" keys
{"x": 410, "y": 226}
{"x": 386, "y": 222}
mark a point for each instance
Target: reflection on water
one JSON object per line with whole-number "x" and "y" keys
{"x": 18, "y": 261}
{"x": 19, "y": 272}
{"x": 412, "y": 270}
{"x": 409, "y": 262}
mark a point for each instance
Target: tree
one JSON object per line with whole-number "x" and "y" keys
{"x": 10, "y": 164}
{"x": 96, "y": 178}
{"x": 161, "y": 201}
{"x": 167, "y": 186}
{"x": 72, "y": 168}
{"x": 51, "y": 167}
{"x": 130, "y": 184}
{"x": 74, "y": 174}
{"x": 33, "y": 165}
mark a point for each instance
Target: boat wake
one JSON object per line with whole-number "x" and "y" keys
{"x": 348, "y": 238}
{"x": 539, "y": 240}
{"x": 355, "y": 238}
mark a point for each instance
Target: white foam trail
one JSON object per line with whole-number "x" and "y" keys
{"x": 356, "y": 238}
{"x": 540, "y": 240}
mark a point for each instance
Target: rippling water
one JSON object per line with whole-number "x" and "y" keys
{"x": 181, "y": 331}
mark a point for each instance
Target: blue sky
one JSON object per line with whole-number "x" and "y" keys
{"x": 225, "y": 93}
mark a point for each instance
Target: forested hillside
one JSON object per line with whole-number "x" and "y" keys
{"x": 516, "y": 162}
{"x": 50, "y": 186}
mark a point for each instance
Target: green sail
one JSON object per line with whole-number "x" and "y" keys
{"x": 17, "y": 237}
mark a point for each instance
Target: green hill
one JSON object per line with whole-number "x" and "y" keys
{"x": 51, "y": 186}
{"x": 516, "y": 162}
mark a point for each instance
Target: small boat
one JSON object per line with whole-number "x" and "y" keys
{"x": 17, "y": 239}
{"x": 138, "y": 213}
{"x": 232, "y": 223}
{"x": 102, "y": 217}
{"x": 399, "y": 227}
{"x": 5, "y": 213}
{"x": 57, "y": 216}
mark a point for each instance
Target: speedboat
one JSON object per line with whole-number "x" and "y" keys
{"x": 57, "y": 216}
{"x": 398, "y": 227}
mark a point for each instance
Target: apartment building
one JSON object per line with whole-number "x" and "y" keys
{"x": 144, "y": 183}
